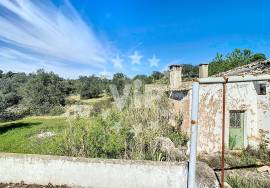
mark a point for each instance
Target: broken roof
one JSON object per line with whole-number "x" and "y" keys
{"x": 255, "y": 68}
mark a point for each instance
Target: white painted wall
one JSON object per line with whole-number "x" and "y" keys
{"x": 264, "y": 111}
{"x": 239, "y": 96}
{"x": 96, "y": 173}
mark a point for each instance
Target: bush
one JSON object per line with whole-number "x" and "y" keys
{"x": 130, "y": 134}
{"x": 148, "y": 124}
{"x": 90, "y": 87}
{"x": 43, "y": 92}
{"x": 57, "y": 110}
{"x": 100, "y": 137}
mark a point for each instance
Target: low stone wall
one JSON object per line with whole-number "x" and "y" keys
{"x": 96, "y": 173}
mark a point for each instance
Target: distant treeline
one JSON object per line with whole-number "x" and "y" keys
{"x": 45, "y": 92}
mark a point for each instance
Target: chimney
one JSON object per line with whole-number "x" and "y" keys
{"x": 175, "y": 76}
{"x": 203, "y": 70}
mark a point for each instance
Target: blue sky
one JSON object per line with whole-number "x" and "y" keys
{"x": 86, "y": 37}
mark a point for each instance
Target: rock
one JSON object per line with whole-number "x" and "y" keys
{"x": 166, "y": 146}
{"x": 264, "y": 169}
{"x": 46, "y": 134}
{"x": 226, "y": 185}
{"x": 205, "y": 176}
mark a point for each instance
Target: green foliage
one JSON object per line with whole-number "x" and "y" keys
{"x": 57, "y": 110}
{"x": 43, "y": 92}
{"x": 156, "y": 75}
{"x": 239, "y": 159}
{"x": 10, "y": 89}
{"x": 240, "y": 182}
{"x": 190, "y": 71}
{"x": 145, "y": 79}
{"x": 101, "y": 137}
{"x": 120, "y": 80}
{"x": 147, "y": 124}
{"x": 176, "y": 136}
{"x": 90, "y": 87}
{"x": 234, "y": 59}
{"x": 70, "y": 87}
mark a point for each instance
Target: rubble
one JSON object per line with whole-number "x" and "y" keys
{"x": 46, "y": 134}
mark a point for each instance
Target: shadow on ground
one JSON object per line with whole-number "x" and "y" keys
{"x": 10, "y": 126}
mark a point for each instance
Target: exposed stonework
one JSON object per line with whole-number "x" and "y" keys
{"x": 240, "y": 96}
{"x": 175, "y": 76}
{"x": 256, "y": 68}
{"x": 245, "y": 97}
{"x": 203, "y": 70}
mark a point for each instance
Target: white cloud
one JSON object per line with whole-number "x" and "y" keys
{"x": 39, "y": 31}
{"x": 106, "y": 74}
{"x": 22, "y": 62}
{"x": 136, "y": 58}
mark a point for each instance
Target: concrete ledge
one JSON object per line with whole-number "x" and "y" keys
{"x": 97, "y": 173}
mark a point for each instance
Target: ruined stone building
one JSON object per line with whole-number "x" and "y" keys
{"x": 247, "y": 108}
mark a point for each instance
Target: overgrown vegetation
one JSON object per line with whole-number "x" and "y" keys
{"x": 240, "y": 182}
{"x": 249, "y": 157}
{"x": 130, "y": 134}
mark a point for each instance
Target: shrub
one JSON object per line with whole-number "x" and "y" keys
{"x": 130, "y": 134}
{"x": 240, "y": 182}
{"x": 90, "y": 87}
{"x": 100, "y": 137}
{"x": 43, "y": 92}
{"x": 148, "y": 124}
{"x": 57, "y": 110}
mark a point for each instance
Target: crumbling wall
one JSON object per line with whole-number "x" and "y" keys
{"x": 264, "y": 111}
{"x": 184, "y": 110}
{"x": 210, "y": 118}
{"x": 239, "y": 96}
{"x": 243, "y": 96}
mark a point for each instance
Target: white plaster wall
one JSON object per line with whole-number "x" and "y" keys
{"x": 95, "y": 173}
{"x": 264, "y": 111}
{"x": 210, "y": 118}
{"x": 243, "y": 96}
{"x": 239, "y": 96}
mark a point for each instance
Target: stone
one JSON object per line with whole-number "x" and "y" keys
{"x": 46, "y": 135}
{"x": 264, "y": 169}
{"x": 167, "y": 146}
{"x": 226, "y": 185}
{"x": 205, "y": 176}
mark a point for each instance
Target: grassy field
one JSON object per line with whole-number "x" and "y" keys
{"x": 22, "y": 136}
{"x": 93, "y": 101}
